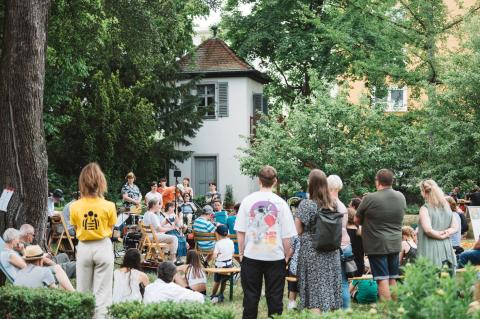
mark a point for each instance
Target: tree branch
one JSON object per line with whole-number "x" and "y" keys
{"x": 461, "y": 18}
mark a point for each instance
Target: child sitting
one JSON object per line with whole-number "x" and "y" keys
{"x": 222, "y": 253}
{"x": 194, "y": 277}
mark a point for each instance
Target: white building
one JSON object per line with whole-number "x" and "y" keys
{"x": 233, "y": 90}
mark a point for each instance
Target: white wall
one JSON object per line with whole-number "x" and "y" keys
{"x": 222, "y": 138}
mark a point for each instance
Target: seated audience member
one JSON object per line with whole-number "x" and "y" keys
{"x": 364, "y": 291}
{"x": 55, "y": 197}
{"x": 128, "y": 281}
{"x": 66, "y": 214}
{"x": 27, "y": 234}
{"x": 223, "y": 254}
{"x": 153, "y": 194}
{"x": 194, "y": 277}
{"x": 356, "y": 240}
{"x": 212, "y": 193}
{"x": 456, "y": 237}
{"x": 475, "y": 197}
{"x": 34, "y": 275}
{"x": 220, "y": 214}
{"x": 459, "y": 215}
{"x": 203, "y": 224}
{"x": 152, "y": 217}
{"x": 164, "y": 289}
{"x": 232, "y": 217}
{"x": 408, "y": 254}
{"x": 188, "y": 208}
{"x": 12, "y": 262}
{"x": 470, "y": 256}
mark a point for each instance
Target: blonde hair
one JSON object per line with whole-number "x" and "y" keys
{"x": 433, "y": 194}
{"x": 351, "y": 215}
{"x": 92, "y": 181}
{"x": 409, "y": 232}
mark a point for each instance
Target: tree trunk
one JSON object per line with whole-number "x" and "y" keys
{"x": 23, "y": 162}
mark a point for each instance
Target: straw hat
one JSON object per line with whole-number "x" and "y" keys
{"x": 33, "y": 252}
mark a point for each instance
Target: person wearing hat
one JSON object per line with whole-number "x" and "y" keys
{"x": 55, "y": 197}
{"x": 223, "y": 254}
{"x": 35, "y": 275}
{"x": 204, "y": 225}
{"x": 131, "y": 193}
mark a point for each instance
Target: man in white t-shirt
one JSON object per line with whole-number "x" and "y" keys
{"x": 264, "y": 227}
{"x": 151, "y": 218}
{"x": 153, "y": 194}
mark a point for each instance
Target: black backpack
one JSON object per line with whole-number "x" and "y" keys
{"x": 326, "y": 230}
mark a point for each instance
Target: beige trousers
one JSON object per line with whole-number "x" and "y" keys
{"x": 95, "y": 262}
{"x": 170, "y": 240}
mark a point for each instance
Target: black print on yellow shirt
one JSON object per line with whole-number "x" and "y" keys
{"x": 90, "y": 221}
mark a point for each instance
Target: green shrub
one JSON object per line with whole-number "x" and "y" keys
{"x": 18, "y": 302}
{"x": 169, "y": 310}
{"x": 429, "y": 292}
{"x": 339, "y": 314}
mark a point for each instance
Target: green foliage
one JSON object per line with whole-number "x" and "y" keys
{"x": 18, "y": 302}
{"x": 429, "y": 292}
{"x": 169, "y": 310}
{"x": 336, "y": 136}
{"x": 229, "y": 201}
{"x": 111, "y": 94}
{"x": 339, "y": 314}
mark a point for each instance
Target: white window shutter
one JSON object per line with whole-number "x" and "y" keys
{"x": 223, "y": 99}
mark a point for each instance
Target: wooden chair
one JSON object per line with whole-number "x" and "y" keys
{"x": 154, "y": 248}
{"x": 199, "y": 237}
{"x": 234, "y": 238}
{"x": 60, "y": 236}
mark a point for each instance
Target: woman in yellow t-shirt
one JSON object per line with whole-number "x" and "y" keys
{"x": 93, "y": 218}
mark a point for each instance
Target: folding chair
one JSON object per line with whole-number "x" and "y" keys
{"x": 203, "y": 237}
{"x": 154, "y": 248}
{"x": 59, "y": 235}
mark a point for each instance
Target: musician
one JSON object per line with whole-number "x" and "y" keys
{"x": 168, "y": 192}
{"x": 153, "y": 194}
{"x": 131, "y": 193}
{"x": 186, "y": 186}
{"x": 176, "y": 220}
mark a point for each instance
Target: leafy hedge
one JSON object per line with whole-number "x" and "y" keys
{"x": 18, "y": 302}
{"x": 169, "y": 310}
{"x": 339, "y": 314}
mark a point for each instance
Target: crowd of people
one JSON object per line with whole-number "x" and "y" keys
{"x": 322, "y": 244}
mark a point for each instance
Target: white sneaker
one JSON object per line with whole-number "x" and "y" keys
{"x": 292, "y": 304}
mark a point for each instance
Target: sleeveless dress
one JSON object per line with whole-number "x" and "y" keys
{"x": 319, "y": 273}
{"x": 126, "y": 286}
{"x": 438, "y": 251}
{"x": 182, "y": 241}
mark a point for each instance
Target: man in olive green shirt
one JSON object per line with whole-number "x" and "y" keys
{"x": 381, "y": 215}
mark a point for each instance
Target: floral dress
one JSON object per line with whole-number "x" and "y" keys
{"x": 319, "y": 273}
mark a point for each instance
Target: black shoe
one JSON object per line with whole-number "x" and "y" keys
{"x": 178, "y": 262}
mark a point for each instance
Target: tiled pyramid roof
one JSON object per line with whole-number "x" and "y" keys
{"x": 214, "y": 56}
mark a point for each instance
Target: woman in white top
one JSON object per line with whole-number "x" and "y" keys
{"x": 194, "y": 276}
{"x": 128, "y": 282}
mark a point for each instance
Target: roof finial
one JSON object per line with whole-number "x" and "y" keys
{"x": 214, "y": 29}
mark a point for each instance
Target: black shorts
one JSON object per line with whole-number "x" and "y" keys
{"x": 292, "y": 285}
{"x": 385, "y": 266}
{"x": 220, "y": 277}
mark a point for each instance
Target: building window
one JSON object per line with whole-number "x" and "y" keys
{"x": 394, "y": 101}
{"x": 206, "y": 95}
{"x": 397, "y": 99}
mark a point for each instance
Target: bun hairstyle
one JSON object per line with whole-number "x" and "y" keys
{"x": 433, "y": 194}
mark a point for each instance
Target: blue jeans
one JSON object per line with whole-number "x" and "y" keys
{"x": 346, "y": 252}
{"x": 472, "y": 256}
